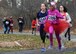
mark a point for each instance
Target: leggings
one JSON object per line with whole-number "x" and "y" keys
{"x": 51, "y": 30}
{"x": 68, "y": 33}
{"x": 42, "y": 33}
{"x": 34, "y": 31}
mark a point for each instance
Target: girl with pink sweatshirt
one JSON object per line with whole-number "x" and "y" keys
{"x": 53, "y": 24}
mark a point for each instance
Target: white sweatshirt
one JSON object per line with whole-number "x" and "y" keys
{"x": 68, "y": 19}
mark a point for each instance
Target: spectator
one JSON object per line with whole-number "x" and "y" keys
{"x": 6, "y": 23}
{"x": 20, "y": 23}
{"x": 11, "y": 24}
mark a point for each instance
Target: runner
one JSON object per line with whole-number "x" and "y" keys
{"x": 67, "y": 18}
{"x": 54, "y": 24}
{"x": 41, "y": 16}
{"x": 34, "y": 26}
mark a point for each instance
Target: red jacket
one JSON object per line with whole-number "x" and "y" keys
{"x": 33, "y": 23}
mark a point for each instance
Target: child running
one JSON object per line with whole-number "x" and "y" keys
{"x": 41, "y": 16}
{"x": 34, "y": 26}
{"x": 53, "y": 24}
{"x": 67, "y": 18}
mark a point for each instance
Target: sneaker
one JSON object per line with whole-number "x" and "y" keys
{"x": 65, "y": 36}
{"x": 50, "y": 47}
{"x": 62, "y": 48}
{"x": 43, "y": 49}
{"x": 47, "y": 36}
{"x": 69, "y": 39}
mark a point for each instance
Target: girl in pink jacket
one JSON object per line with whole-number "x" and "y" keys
{"x": 53, "y": 24}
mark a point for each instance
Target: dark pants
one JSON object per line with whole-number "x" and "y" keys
{"x": 20, "y": 27}
{"x": 42, "y": 33}
{"x": 34, "y": 31}
{"x": 68, "y": 33}
{"x": 6, "y": 29}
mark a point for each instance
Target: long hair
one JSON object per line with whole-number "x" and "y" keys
{"x": 45, "y": 6}
{"x": 65, "y": 9}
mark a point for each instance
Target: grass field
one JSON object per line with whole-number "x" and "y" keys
{"x": 28, "y": 42}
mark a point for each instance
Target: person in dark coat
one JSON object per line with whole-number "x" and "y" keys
{"x": 6, "y": 23}
{"x": 20, "y": 23}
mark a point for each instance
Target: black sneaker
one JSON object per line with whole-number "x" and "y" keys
{"x": 47, "y": 36}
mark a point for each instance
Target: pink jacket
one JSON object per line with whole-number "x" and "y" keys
{"x": 53, "y": 16}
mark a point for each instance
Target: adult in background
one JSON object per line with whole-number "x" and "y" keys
{"x": 20, "y": 23}
{"x": 6, "y": 23}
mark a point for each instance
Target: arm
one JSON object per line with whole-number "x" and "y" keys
{"x": 23, "y": 21}
{"x": 37, "y": 21}
{"x": 68, "y": 18}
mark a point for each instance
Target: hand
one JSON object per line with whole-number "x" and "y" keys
{"x": 38, "y": 24}
{"x": 67, "y": 21}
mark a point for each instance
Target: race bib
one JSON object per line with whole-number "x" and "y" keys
{"x": 11, "y": 24}
{"x": 42, "y": 19}
{"x": 7, "y": 22}
{"x": 20, "y": 21}
{"x": 52, "y": 17}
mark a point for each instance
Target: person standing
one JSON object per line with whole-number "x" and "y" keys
{"x": 11, "y": 24}
{"x": 6, "y": 23}
{"x": 20, "y": 23}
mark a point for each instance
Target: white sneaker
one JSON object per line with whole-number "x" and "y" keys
{"x": 47, "y": 34}
{"x": 43, "y": 49}
{"x": 50, "y": 47}
{"x": 62, "y": 48}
